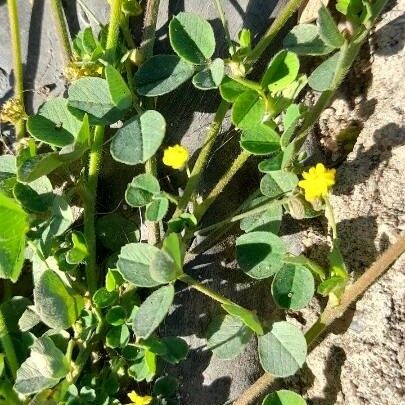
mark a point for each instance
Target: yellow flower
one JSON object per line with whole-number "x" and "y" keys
{"x": 317, "y": 182}
{"x": 138, "y": 399}
{"x": 175, "y": 156}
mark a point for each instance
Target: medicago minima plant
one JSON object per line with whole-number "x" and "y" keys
{"x": 84, "y": 293}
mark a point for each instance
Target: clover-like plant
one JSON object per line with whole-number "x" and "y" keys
{"x": 96, "y": 287}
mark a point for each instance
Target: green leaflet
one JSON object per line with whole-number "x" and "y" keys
{"x": 152, "y": 311}
{"x": 162, "y": 74}
{"x": 269, "y": 220}
{"x": 55, "y": 303}
{"x": 139, "y": 138}
{"x": 321, "y": 78}
{"x": 192, "y": 38}
{"x": 210, "y": 77}
{"x": 304, "y": 39}
{"x": 163, "y": 268}
{"x": 141, "y": 190}
{"x": 54, "y": 124}
{"x": 230, "y": 89}
{"x": 36, "y": 196}
{"x": 282, "y": 350}
{"x": 119, "y": 91}
{"x": 284, "y": 397}
{"x": 228, "y": 336}
{"x": 13, "y": 227}
{"x": 281, "y": 72}
{"x": 249, "y": 318}
{"x": 134, "y": 261}
{"x": 45, "y": 367}
{"x": 260, "y": 254}
{"x": 277, "y": 183}
{"x": 157, "y": 209}
{"x": 92, "y": 95}
{"x": 328, "y": 29}
{"x": 293, "y": 287}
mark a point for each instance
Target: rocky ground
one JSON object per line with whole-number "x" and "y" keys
{"x": 362, "y": 361}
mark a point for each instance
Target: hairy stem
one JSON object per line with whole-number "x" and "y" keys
{"x": 17, "y": 64}
{"x": 213, "y": 237}
{"x": 205, "y": 290}
{"x": 279, "y": 22}
{"x": 113, "y": 30}
{"x": 90, "y": 207}
{"x": 62, "y": 30}
{"x": 222, "y": 183}
{"x": 95, "y": 158}
{"x": 203, "y": 156}
{"x": 8, "y": 347}
{"x": 246, "y": 214}
{"x": 350, "y": 296}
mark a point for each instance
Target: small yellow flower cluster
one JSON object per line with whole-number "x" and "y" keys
{"x": 175, "y": 156}
{"x": 74, "y": 71}
{"x": 12, "y": 111}
{"x": 138, "y": 399}
{"x": 317, "y": 182}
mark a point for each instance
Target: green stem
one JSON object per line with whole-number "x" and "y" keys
{"x": 203, "y": 156}
{"x": 305, "y": 261}
{"x": 330, "y": 314}
{"x": 250, "y": 84}
{"x": 279, "y": 22}
{"x": 246, "y": 214}
{"x": 222, "y": 183}
{"x": 62, "y": 30}
{"x": 330, "y": 216}
{"x": 213, "y": 237}
{"x": 69, "y": 350}
{"x": 17, "y": 64}
{"x": 205, "y": 290}
{"x": 113, "y": 30}
{"x": 95, "y": 157}
{"x": 8, "y": 347}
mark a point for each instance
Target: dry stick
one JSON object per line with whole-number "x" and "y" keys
{"x": 350, "y": 296}
{"x": 62, "y": 30}
{"x": 17, "y": 64}
{"x": 147, "y": 43}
